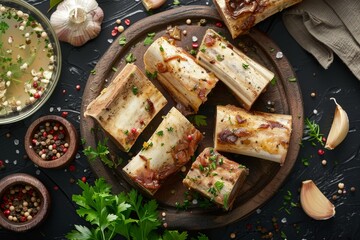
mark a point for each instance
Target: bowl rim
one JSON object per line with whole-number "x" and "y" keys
{"x": 45, "y": 22}
{"x": 26, "y": 179}
{"x": 61, "y": 161}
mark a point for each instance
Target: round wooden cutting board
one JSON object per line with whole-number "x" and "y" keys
{"x": 265, "y": 177}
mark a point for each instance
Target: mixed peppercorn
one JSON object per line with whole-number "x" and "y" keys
{"x": 49, "y": 141}
{"x": 20, "y": 203}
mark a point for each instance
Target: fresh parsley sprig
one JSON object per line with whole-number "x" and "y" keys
{"x": 198, "y": 120}
{"x": 101, "y": 152}
{"x": 125, "y": 214}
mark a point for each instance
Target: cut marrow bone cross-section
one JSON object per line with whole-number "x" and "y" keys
{"x": 246, "y": 78}
{"x": 256, "y": 134}
{"x": 168, "y": 149}
{"x": 126, "y": 106}
{"x": 186, "y": 81}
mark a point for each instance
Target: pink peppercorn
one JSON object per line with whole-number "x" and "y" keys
{"x": 195, "y": 45}
{"x": 321, "y": 152}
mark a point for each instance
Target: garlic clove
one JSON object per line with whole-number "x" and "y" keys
{"x": 314, "y": 203}
{"x": 152, "y": 4}
{"x": 77, "y": 21}
{"x": 339, "y": 128}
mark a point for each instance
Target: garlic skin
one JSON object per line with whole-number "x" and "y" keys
{"x": 152, "y": 4}
{"x": 314, "y": 203}
{"x": 77, "y": 21}
{"x": 339, "y": 128}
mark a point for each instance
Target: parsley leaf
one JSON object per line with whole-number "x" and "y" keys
{"x": 135, "y": 90}
{"x": 176, "y": 2}
{"x": 130, "y": 58}
{"x": 198, "y": 120}
{"x": 174, "y": 235}
{"x": 3, "y": 26}
{"x": 126, "y": 214}
{"x": 149, "y": 39}
{"x": 150, "y": 75}
{"x": 273, "y": 81}
{"x": 122, "y": 41}
{"x": 101, "y": 152}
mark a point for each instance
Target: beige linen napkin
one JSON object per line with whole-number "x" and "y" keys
{"x": 324, "y": 27}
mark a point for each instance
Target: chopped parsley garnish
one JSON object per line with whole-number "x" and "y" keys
{"x": 203, "y": 49}
{"x": 114, "y": 69}
{"x": 198, "y": 120}
{"x": 192, "y": 52}
{"x": 122, "y": 41}
{"x": 101, "y": 151}
{"x": 135, "y": 90}
{"x": 149, "y": 39}
{"x": 130, "y": 58}
{"x": 170, "y": 129}
{"x": 3, "y": 27}
{"x": 176, "y": 2}
{"x": 220, "y": 57}
{"x": 93, "y": 72}
{"x": 161, "y": 49}
{"x": 245, "y": 66}
{"x": 219, "y": 185}
{"x": 305, "y": 161}
{"x": 292, "y": 79}
{"x": 151, "y": 75}
{"x": 201, "y": 167}
{"x": 160, "y": 133}
{"x": 273, "y": 81}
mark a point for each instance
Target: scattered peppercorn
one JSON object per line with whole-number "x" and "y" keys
{"x": 321, "y": 152}
{"x": 127, "y": 22}
{"x": 20, "y": 203}
{"x": 2, "y": 166}
{"x": 49, "y": 141}
{"x": 352, "y": 189}
{"x": 83, "y": 179}
{"x": 64, "y": 114}
{"x": 202, "y": 22}
{"x": 120, "y": 29}
{"x": 219, "y": 24}
{"x": 78, "y": 87}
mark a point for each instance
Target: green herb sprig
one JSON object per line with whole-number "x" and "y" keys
{"x": 198, "y": 120}
{"x": 101, "y": 152}
{"x": 126, "y": 214}
{"x": 312, "y": 132}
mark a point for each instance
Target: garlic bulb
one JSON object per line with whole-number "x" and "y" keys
{"x": 152, "y": 4}
{"x": 77, "y": 21}
{"x": 339, "y": 128}
{"x": 314, "y": 203}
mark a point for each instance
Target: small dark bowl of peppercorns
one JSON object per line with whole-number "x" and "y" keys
{"x": 24, "y": 202}
{"x": 51, "y": 142}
